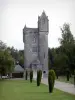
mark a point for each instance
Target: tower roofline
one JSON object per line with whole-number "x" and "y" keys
{"x": 43, "y": 13}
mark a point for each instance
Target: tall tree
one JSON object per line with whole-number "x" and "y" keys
{"x": 67, "y": 37}
{"x": 3, "y": 46}
{"x": 50, "y": 59}
{"x": 68, "y": 45}
{"x": 6, "y": 62}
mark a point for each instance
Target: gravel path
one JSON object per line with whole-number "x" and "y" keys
{"x": 66, "y": 87}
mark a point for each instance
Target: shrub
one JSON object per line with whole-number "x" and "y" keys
{"x": 39, "y": 75}
{"x": 68, "y": 74}
{"x": 52, "y": 72}
{"x": 26, "y": 75}
{"x": 74, "y": 72}
{"x": 74, "y": 77}
{"x": 31, "y": 76}
{"x": 51, "y": 80}
{"x": 57, "y": 73}
{"x": 37, "y": 78}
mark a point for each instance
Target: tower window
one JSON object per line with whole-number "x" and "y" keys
{"x": 34, "y": 39}
{"x": 43, "y": 21}
{"x": 34, "y": 49}
{"x": 44, "y": 55}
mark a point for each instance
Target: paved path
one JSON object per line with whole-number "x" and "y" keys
{"x": 66, "y": 87}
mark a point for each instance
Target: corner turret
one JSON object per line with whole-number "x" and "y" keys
{"x": 43, "y": 23}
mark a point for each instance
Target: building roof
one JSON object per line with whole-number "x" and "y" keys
{"x": 18, "y": 68}
{"x": 30, "y": 29}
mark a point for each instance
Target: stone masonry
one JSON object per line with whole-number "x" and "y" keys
{"x": 36, "y": 45}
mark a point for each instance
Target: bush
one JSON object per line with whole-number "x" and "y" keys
{"x": 26, "y": 75}
{"x": 57, "y": 73}
{"x": 74, "y": 77}
{"x": 31, "y": 76}
{"x": 37, "y": 78}
{"x": 51, "y": 80}
{"x": 39, "y": 75}
{"x": 40, "y": 72}
{"x": 68, "y": 74}
{"x": 52, "y": 72}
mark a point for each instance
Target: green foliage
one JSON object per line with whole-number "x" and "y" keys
{"x": 39, "y": 76}
{"x": 67, "y": 37}
{"x": 64, "y": 55}
{"x": 50, "y": 59}
{"x": 57, "y": 73}
{"x": 51, "y": 80}
{"x": 6, "y": 62}
{"x": 52, "y": 73}
{"x": 8, "y": 57}
{"x": 74, "y": 72}
{"x": 3, "y": 46}
{"x": 74, "y": 77}
{"x": 60, "y": 61}
{"x": 68, "y": 43}
{"x": 18, "y": 55}
{"x": 31, "y": 76}
{"x": 26, "y": 75}
{"x": 21, "y": 61}
{"x": 67, "y": 74}
{"x": 49, "y": 63}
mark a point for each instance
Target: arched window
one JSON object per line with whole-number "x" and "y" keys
{"x": 44, "y": 55}
{"x": 34, "y": 38}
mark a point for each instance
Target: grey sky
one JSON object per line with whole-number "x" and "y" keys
{"x": 14, "y": 14}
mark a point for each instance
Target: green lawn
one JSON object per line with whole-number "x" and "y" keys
{"x": 24, "y": 90}
{"x": 64, "y": 79}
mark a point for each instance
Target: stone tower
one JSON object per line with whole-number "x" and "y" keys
{"x": 43, "y": 27}
{"x": 36, "y": 45}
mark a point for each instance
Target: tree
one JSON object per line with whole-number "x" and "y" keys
{"x": 6, "y": 62}
{"x": 21, "y": 58}
{"x": 9, "y": 62}
{"x": 39, "y": 76}
{"x": 50, "y": 59}
{"x": 31, "y": 75}
{"x": 63, "y": 57}
{"x": 15, "y": 54}
{"x": 68, "y": 45}
{"x": 67, "y": 37}
{"x": 3, "y": 46}
{"x": 60, "y": 61}
{"x": 2, "y": 69}
{"x": 21, "y": 61}
{"x": 51, "y": 80}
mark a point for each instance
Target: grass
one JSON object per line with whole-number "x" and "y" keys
{"x": 24, "y": 90}
{"x": 64, "y": 79}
